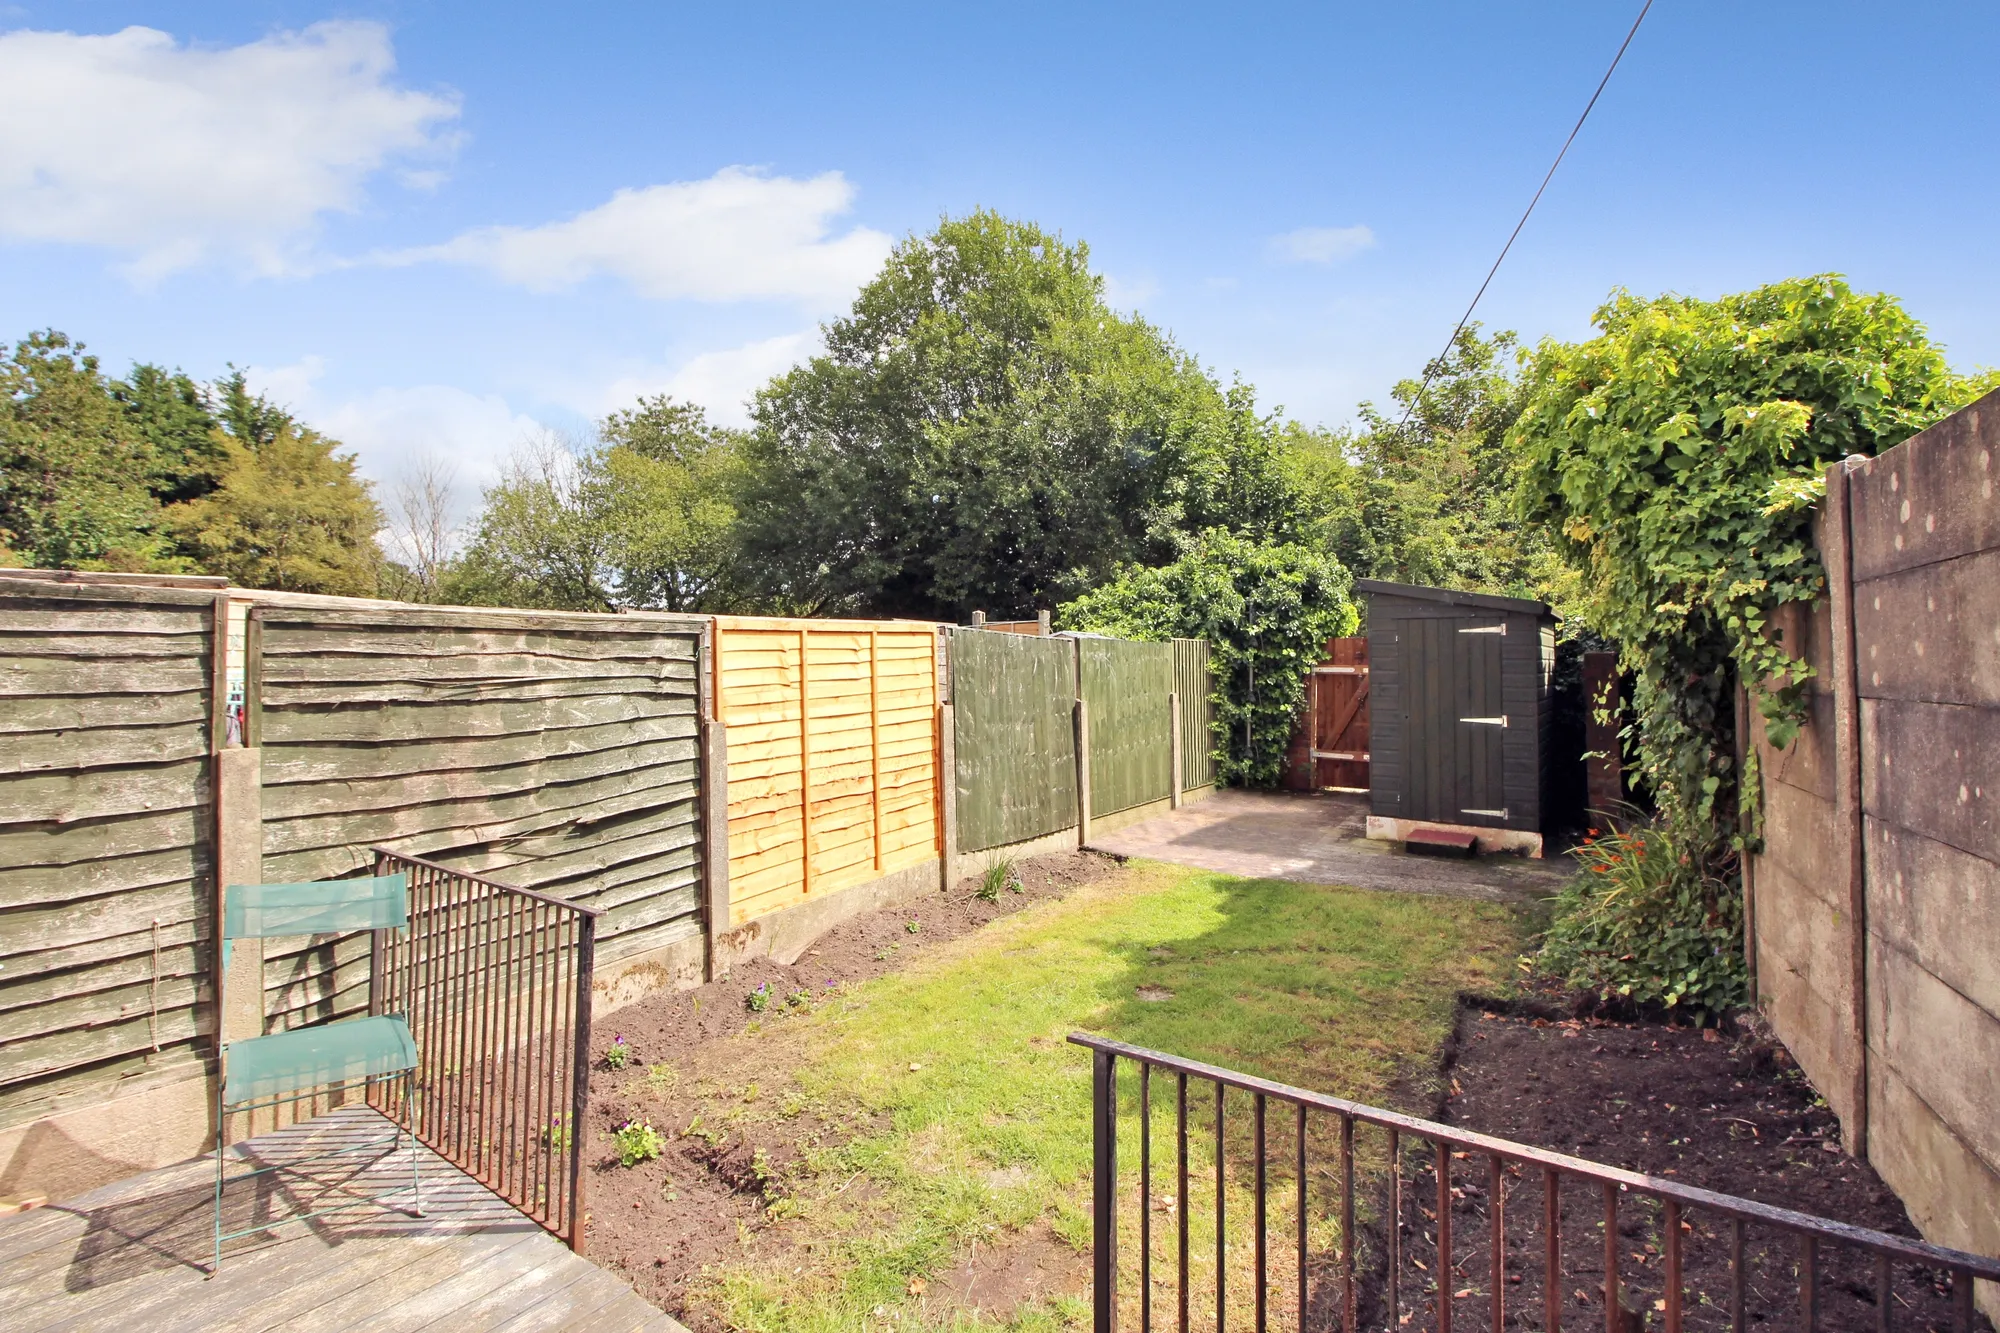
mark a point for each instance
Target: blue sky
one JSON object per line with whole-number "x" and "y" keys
{"x": 434, "y": 227}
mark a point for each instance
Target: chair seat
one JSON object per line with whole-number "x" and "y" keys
{"x": 303, "y": 1058}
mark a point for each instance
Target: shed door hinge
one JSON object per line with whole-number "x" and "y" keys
{"x": 1493, "y": 814}
{"x": 1500, "y": 629}
{"x": 1500, "y": 721}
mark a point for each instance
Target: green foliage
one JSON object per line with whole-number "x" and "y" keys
{"x": 617, "y": 1055}
{"x": 644, "y": 518}
{"x": 290, "y": 513}
{"x": 157, "y": 473}
{"x": 74, "y": 466}
{"x": 1644, "y": 920}
{"x": 1427, "y": 496}
{"x": 1674, "y": 460}
{"x": 757, "y": 1001}
{"x": 983, "y": 432}
{"x": 1267, "y": 611}
{"x": 998, "y": 876}
{"x": 635, "y": 1141}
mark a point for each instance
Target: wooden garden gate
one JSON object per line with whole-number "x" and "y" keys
{"x": 1330, "y": 750}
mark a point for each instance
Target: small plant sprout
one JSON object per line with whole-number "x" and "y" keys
{"x": 618, "y": 1054}
{"x": 912, "y": 926}
{"x": 998, "y": 876}
{"x": 636, "y": 1142}
{"x": 556, "y": 1133}
{"x": 760, "y": 999}
{"x": 799, "y": 999}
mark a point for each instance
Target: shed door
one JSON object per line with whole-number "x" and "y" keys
{"x": 1456, "y": 724}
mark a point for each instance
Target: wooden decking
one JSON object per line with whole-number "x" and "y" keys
{"x": 135, "y": 1255}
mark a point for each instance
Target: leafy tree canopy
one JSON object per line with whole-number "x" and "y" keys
{"x": 158, "y": 473}
{"x": 983, "y": 431}
{"x": 644, "y": 518}
{"x": 1267, "y": 610}
{"x": 1674, "y": 460}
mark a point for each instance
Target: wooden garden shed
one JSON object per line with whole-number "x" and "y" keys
{"x": 1459, "y": 713}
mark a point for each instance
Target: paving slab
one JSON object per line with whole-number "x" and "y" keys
{"x": 1319, "y": 838}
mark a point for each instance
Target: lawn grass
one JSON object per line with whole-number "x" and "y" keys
{"x": 948, "y": 1088}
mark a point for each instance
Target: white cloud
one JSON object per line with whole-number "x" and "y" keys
{"x": 722, "y": 382}
{"x": 738, "y": 235}
{"x": 179, "y": 154}
{"x": 1321, "y": 245}
{"x": 392, "y": 429}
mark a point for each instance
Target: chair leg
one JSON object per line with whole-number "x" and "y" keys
{"x": 410, "y": 1126}
{"x": 221, "y": 1139}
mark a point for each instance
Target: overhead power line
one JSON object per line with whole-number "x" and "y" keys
{"x": 1430, "y": 371}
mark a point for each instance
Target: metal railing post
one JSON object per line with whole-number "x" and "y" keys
{"x": 1104, "y": 1192}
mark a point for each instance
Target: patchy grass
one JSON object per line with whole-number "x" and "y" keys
{"x": 937, "y": 1114}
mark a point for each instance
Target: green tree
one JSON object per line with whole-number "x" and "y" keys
{"x": 170, "y": 411}
{"x": 540, "y": 539}
{"x": 645, "y": 518}
{"x": 75, "y": 468}
{"x": 1267, "y": 610}
{"x": 1426, "y": 495}
{"x": 669, "y": 479}
{"x": 984, "y": 432}
{"x": 289, "y": 513}
{"x": 1673, "y": 461}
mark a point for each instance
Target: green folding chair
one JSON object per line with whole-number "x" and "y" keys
{"x": 288, "y": 1067}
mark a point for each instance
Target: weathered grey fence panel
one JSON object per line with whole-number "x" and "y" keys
{"x": 1013, "y": 698}
{"x": 555, "y": 752}
{"x": 1194, "y": 682}
{"x": 106, "y": 838}
{"x": 1125, "y": 687}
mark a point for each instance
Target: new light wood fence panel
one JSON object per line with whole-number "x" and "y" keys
{"x": 1125, "y": 687}
{"x": 1195, "y": 684}
{"x": 553, "y": 752}
{"x": 1013, "y": 713}
{"x": 832, "y": 740}
{"x": 106, "y": 838}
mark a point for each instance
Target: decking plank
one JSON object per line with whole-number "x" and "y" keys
{"x": 136, "y": 1253}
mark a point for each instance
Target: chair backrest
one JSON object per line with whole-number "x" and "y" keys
{"x": 377, "y": 902}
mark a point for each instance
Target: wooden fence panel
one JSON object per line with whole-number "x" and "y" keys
{"x": 833, "y": 753}
{"x": 555, "y": 752}
{"x": 1125, "y": 687}
{"x": 1194, "y": 682}
{"x": 106, "y": 838}
{"x": 1013, "y": 712}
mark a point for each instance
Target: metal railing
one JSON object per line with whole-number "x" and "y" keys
{"x": 495, "y": 984}
{"x": 1437, "y": 1300}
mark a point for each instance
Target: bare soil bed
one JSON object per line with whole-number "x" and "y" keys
{"x": 1731, "y": 1114}
{"x": 660, "y": 1223}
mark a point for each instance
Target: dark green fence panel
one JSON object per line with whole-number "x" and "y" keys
{"x": 1013, "y": 711}
{"x": 1125, "y": 688}
{"x": 1195, "y": 686}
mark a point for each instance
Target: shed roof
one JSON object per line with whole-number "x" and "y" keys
{"x": 1451, "y": 597}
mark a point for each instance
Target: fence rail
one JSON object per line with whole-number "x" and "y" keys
{"x": 1500, "y": 1156}
{"x": 495, "y": 984}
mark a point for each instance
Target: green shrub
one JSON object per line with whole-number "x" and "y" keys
{"x": 617, "y": 1055}
{"x": 1646, "y": 921}
{"x": 636, "y": 1142}
{"x": 1266, "y": 610}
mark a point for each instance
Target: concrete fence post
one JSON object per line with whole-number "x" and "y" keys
{"x": 715, "y": 841}
{"x": 1837, "y": 550}
{"x": 947, "y": 799}
{"x": 1082, "y": 774}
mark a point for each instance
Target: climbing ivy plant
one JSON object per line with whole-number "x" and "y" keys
{"x": 1676, "y": 459}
